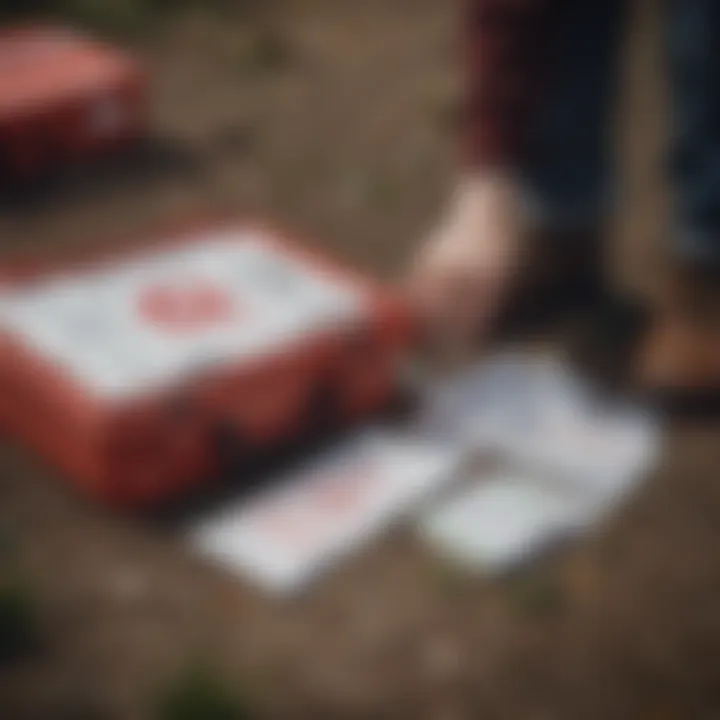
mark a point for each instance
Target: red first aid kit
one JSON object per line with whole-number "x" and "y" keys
{"x": 64, "y": 97}
{"x": 130, "y": 372}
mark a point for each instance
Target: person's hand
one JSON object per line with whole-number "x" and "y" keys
{"x": 465, "y": 269}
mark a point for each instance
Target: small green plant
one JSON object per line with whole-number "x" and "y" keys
{"x": 115, "y": 17}
{"x": 268, "y": 50}
{"x": 449, "y": 113}
{"x": 379, "y": 192}
{"x": 19, "y": 624}
{"x": 369, "y": 189}
{"x": 7, "y": 543}
{"x": 198, "y": 693}
{"x": 451, "y": 579}
{"x": 217, "y": 6}
{"x": 538, "y": 595}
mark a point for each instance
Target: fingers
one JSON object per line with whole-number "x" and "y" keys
{"x": 461, "y": 273}
{"x": 453, "y": 303}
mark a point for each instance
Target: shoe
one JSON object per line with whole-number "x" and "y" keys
{"x": 606, "y": 341}
{"x": 563, "y": 278}
{"x": 564, "y": 294}
{"x": 680, "y": 359}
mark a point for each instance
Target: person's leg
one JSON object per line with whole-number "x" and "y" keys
{"x": 694, "y": 51}
{"x": 567, "y": 169}
{"x": 683, "y": 351}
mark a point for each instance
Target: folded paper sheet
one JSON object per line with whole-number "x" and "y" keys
{"x": 565, "y": 458}
{"x": 330, "y": 507}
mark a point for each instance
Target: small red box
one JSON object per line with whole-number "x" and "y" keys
{"x": 130, "y": 372}
{"x": 64, "y": 97}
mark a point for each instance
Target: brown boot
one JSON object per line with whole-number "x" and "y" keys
{"x": 680, "y": 360}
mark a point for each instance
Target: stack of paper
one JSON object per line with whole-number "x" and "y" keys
{"x": 557, "y": 460}
{"x": 565, "y": 458}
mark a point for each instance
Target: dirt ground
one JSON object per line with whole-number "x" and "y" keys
{"x": 343, "y": 130}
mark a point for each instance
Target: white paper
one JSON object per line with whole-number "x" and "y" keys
{"x": 331, "y": 507}
{"x": 155, "y": 320}
{"x": 499, "y": 402}
{"x": 537, "y": 412}
{"x": 566, "y": 456}
{"x": 604, "y": 452}
{"x": 501, "y": 521}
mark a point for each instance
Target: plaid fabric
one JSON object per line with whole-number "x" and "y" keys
{"x": 506, "y": 48}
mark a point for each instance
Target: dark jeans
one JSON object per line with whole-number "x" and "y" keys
{"x": 568, "y": 171}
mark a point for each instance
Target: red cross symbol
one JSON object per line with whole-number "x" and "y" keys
{"x": 186, "y": 307}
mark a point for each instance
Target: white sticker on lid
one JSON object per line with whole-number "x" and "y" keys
{"x": 151, "y": 321}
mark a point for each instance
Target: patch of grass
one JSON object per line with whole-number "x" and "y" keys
{"x": 537, "y": 596}
{"x": 451, "y": 579}
{"x": 370, "y": 189}
{"x": 7, "y": 543}
{"x": 379, "y": 193}
{"x": 225, "y": 7}
{"x": 199, "y": 693}
{"x": 19, "y": 623}
{"x": 8, "y": 8}
{"x": 115, "y": 17}
{"x": 449, "y": 114}
{"x": 267, "y": 50}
